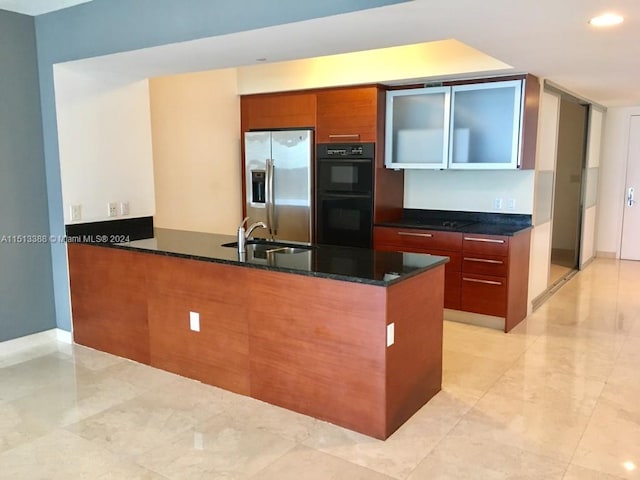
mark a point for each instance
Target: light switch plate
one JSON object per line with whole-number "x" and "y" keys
{"x": 391, "y": 334}
{"x": 194, "y": 321}
{"x": 76, "y": 213}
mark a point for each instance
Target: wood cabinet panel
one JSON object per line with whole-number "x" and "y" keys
{"x": 108, "y": 301}
{"x": 529, "y": 137}
{"x": 347, "y": 115}
{"x": 325, "y": 361}
{"x": 484, "y": 294}
{"x": 413, "y": 362}
{"x": 452, "y": 290}
{"x": 219, "y": 353}
{"x": 519, "y": 251}
{"x": 278, "y": 110}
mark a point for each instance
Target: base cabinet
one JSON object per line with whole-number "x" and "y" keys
{"x": 486, "y": 274}
{"x": 446, "y": 244}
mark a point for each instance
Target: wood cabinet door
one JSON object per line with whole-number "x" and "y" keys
{"x": 278, "y": 110}
{"x": 347, "y": 115}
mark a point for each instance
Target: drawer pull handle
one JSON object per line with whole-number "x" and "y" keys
{"x": 344, "y": 135}
{"x": 412, "y": 234}
{"x": 483, "y": 260}
{"x": 477, "y": 280}
{"x": 486, "y": 240}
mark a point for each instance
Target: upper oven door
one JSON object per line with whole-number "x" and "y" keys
{"x": 345, "y": 175}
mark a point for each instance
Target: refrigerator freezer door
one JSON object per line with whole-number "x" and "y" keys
{"x": 257, "y": 150}
{"x": 291, "y": 152}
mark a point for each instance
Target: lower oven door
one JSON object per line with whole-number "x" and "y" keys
{"x": 345, "y": 219}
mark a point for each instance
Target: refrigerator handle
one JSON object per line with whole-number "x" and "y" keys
{"x": 267, "y": 197}
{"x": 272, "y": 200}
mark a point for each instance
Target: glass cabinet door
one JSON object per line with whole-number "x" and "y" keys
{"x": 417, "y": 130}
{"x": 485, "y": 125}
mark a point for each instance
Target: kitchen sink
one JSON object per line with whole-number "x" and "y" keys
{"x": 260, "y": 247}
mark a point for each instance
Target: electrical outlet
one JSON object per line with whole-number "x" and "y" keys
{"x": 194, "y": 321}
{"x": 391, "y": 334}
{"x": 497, "y": 203}
{"x": 511, "y": 204}
{"x": 124, "y": 208}
{"x": 112, "y": 209}
{"x": 76, "y": 213}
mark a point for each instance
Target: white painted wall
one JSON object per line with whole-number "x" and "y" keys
{"x": 473, "y": 191}
{"x": 611, "y": 191}
{"x": 196, "y": 145}
{"x": 104, "y": 137}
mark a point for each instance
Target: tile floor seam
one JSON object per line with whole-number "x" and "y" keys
{"x": 442, "y": 438}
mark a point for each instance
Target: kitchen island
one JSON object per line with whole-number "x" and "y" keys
{"x": 350, "y": 336}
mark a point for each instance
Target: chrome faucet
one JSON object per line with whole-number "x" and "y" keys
{"x": 243, "y": 235}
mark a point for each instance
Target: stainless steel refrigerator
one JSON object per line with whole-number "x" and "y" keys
{"x": 278, "y": 166}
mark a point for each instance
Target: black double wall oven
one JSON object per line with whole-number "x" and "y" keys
{"x": 344, "y": 198}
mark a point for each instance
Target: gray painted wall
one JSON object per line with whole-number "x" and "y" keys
{"x": 26, "y": 288}
{"x": 109, "y": 26}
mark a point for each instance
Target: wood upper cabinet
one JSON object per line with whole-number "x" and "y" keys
{"x": 349, "y": 114}
{"x": 278, "y": 110}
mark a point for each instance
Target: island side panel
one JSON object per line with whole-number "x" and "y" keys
{"x": 518, "y": 287}
{"x": 414, "y": 362}
{"x": 318, "y": 347}
{"x": 219, "y": 353}
{"x": 108, "y": 301}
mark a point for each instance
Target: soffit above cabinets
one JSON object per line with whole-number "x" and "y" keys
{"x": 37, "y": 7}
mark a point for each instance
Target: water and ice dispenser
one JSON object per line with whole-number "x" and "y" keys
{"x": 258, "y": 186}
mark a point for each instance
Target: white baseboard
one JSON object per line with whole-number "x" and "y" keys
{"x": 21, "y": 343}
{"x": 601, "y": 254}
{"x": 64, "y": 336}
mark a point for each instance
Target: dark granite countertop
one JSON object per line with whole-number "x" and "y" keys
{"x": 358, "y": 265}
{"x": 464, "y": 222}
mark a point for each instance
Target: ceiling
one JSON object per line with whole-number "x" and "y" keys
{"x": 548, "y": 38}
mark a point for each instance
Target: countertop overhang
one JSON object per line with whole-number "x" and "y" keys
{"x": 358, "y": 265}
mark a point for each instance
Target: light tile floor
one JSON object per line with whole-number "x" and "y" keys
{"x": 558, "y": 398}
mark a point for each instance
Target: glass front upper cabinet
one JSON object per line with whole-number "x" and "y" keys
{"x": 417, "y": 129}
{"x": 472, "y": 126}
{"x": 485, "y": 125}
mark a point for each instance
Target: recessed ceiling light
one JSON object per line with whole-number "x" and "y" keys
{"x": 629, "y": 466}
{"x": 606, "y": 20}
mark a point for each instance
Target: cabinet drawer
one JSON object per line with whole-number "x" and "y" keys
{"x": 485, "y": 244}
{"x": 485, "y": 264}
{"x": 484, "y": 294}
{"x": 406, "y": 238}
